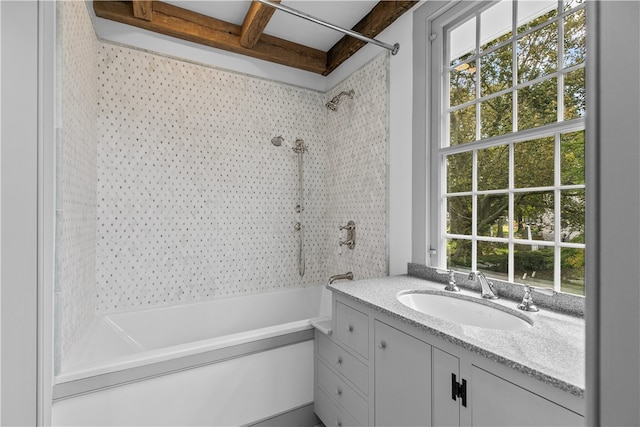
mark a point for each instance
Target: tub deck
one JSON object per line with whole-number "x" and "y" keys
{"x": 121, "y": 348}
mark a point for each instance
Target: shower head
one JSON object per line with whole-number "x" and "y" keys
{"x": 333, "y": 104}
{"x": 277, "y": 141}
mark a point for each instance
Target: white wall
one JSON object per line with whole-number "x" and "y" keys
{"x": 613, "y": 212}
{"x": 19, "y": 226}
{"x": 76, "y": 174}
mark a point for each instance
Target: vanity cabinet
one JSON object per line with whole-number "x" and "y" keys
{"x": 377, "y": 370}
{"x": 342, "y": 370}
{"x": 446, "y": 386}
{"x": 402, "y": 378}
{"x": 498, "y": 402}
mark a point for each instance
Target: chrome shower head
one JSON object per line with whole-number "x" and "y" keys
{"x": 277, "y": 141}
{"x": 333, "y": 104}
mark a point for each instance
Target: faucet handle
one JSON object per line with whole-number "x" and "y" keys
{"x": 527, "y": 299}
{"x": 452, "y": 286}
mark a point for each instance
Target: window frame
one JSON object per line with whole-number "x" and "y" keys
{"x": 438, "y": 109}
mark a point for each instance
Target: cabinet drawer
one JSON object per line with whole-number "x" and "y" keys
{"x": 343, "y": 362}
{"x": 352, "y": 329}
{"x": 330, "y": 413}
{"x": 343, "y": 394}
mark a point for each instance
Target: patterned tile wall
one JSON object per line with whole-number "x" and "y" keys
{"x": 76, "y": 174}
{"x": 194, "y": 202}
{"x": 357, "y": 171}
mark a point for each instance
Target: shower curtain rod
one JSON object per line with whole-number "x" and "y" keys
{"x": 393, "y": 48}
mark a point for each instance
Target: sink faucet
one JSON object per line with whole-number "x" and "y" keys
{"x": 345, "y": 276}
{"x": 527, "y": 300}
{"x": 452, "y": 285}
{"x": 488, "y": 290}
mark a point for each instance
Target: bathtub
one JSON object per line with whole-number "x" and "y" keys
{"x": 226, "y": 362}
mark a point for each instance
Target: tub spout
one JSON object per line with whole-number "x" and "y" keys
{"x": 346, "y": 276}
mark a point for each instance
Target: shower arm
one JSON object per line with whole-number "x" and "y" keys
{"x": 393, "y": 48}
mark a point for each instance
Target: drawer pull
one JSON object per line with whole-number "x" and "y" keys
{"x": 382, "y": 345}
{"x": 339, "y": 360}
{"x": 350, "y": 328}
{"x": 339, "y": 391}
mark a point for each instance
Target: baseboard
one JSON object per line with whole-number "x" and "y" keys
{"x": 302, "y": 416}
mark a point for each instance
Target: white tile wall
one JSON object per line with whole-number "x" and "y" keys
{"x": 195, "y": 203}
{"x": 357, "y": 171}
{"x": 76, "y": 174}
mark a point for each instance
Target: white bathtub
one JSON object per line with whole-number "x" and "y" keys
{"x": 231, "y": 361}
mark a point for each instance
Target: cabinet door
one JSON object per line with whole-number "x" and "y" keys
{"x": 445, "y": 408}
{"x": 498, "y": 402}
{"x": 402, "y": 379}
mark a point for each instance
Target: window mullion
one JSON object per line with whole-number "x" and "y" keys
{"x": 474, "y": 160}
{"x": 560, "y": 63}
{"x": 557, "y": 221}
{"x": 557, "y": 267}
{"x": 478, "y": 80}
{"x": 514, "y": 65}
{"x": 514, "y": 114}
{"x": 511, "y": 211}
{"x": 474, "y": 211}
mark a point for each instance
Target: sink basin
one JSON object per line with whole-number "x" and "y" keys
{"x": 463, "y": 311}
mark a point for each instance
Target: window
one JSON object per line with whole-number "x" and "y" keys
{"x": 508, "y": 109}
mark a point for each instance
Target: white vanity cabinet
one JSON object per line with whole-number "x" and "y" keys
{"x": 499, "y": 402}
{"x": 446, "y": 385}
{"x": 402, "y": 378}
{"x": 342, "y": 370}
{"x": 399, "y": 375}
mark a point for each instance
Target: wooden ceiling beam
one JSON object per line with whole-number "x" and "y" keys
{"x": 255, "y": 21}
{"x": 381, "y": 16}
{"x": 143, "y": 9}
{"x": 191, "y": 26}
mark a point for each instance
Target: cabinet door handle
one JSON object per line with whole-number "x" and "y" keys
{"x": 350, "y": 328}
{"x": 382, "y": 345}
{"x": 459, "y": 389}
{"x": 454, "y": 387}
{"x": 339, "y": 360}
{"x": 339, "y": 391}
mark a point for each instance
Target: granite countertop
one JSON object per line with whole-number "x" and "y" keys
{"x": 552, "y": 350}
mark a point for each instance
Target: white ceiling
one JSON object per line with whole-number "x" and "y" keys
{"x": 286, "y": 26}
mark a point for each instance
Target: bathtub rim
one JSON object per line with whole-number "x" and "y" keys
{"x": 73, "y": 368}
{"x": 142, "y": 358}
{"x": 89, "y": 384}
